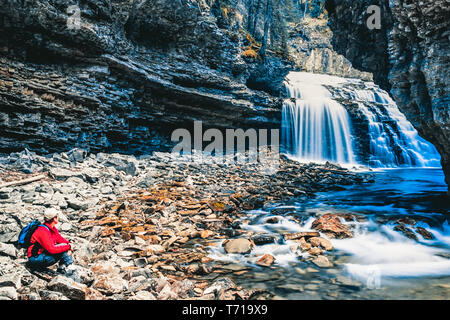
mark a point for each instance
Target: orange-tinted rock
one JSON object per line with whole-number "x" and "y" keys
{"x": 315, "y": 251}
{"x": 321, "y": 242}
{"x": 266, "y": 260}
{"x": 330, "y": 225}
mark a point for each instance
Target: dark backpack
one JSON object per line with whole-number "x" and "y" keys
{"x": 27, "y": 232}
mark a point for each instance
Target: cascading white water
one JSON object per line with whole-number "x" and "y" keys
{"x": 315, "y": 127}
{"x": 394, "y": 141}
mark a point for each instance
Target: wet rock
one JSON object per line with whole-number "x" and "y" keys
{"x": 322, "y": 262}
{"x": 405, "y": 231}
{"x": 68, "y": 287}
{"x": 408, "y": 58}
{"x": 291, "y": 287}
{"x": 321, "y": 242}
{"x": 311, "y": 287}
{"x": 263, "y": 239}
{"x": 266, "y": 260}
{"x": 348, "y": 282}
{"x": 221, "y": 284}
{"x": 315, "y": 251}
{"x": 299, "y": 235}
{"x": 242, "y": 246}
{"x": 331, "y": 226}
{"x": 425, "y": 233}
{"x": 272, "y": 220}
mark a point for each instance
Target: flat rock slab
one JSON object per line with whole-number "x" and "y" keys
{"x": 266, "y": 260}
{"x": 241, "y": 245}
{"x": 299, "y": 235}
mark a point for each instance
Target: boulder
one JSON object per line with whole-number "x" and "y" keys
{"x": 322, "y": 262}
{"x": 331, "y": 226}
{"x": 51, "y": 295}
{"x": 68, "y": 287}
{"x": 240, "y": 245}
{"x": 183, "y": 288}
{"x": 266, "y": 260}
{"x": 219, "y": 285}
{"x": 110, "y": 284}
{"x": 406, "y": 231}
{"x": 321, "y": 242}
{"x": 8, "y": 250}
{"x": 315, "y": 251}
{"x": 425, "y": 233}
{"x": 167, "y": 293}
{"x": 263, "y": 239}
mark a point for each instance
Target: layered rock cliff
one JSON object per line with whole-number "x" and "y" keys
{"x": 131, "y": 73}
{"x": 127, "y": 73}
{"x": 409, "y": 55}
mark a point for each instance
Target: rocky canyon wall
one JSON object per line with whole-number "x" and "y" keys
{"x": 130, "y": 73}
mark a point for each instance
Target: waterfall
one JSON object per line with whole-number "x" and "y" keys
{"x": 314, "y": 126}
{"x": 393, "y": 140}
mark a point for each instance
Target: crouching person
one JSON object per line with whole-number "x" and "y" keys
{"x": 48, "y": 247}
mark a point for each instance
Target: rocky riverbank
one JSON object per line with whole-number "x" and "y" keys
{"x": 141, "y": 228}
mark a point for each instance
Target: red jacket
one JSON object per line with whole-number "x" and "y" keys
{"x": 48, "y": 240}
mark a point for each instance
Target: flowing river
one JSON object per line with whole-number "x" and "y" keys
{"x": 378, "y": 262}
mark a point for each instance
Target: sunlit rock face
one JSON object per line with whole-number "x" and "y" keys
{"x": 409, "y": 55}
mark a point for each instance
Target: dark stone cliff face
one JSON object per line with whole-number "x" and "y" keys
{"x": 409, "y": 56}
{"x": 132, "y": 73}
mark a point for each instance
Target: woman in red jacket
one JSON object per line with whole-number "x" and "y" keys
{"x": 48, "y": 246}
